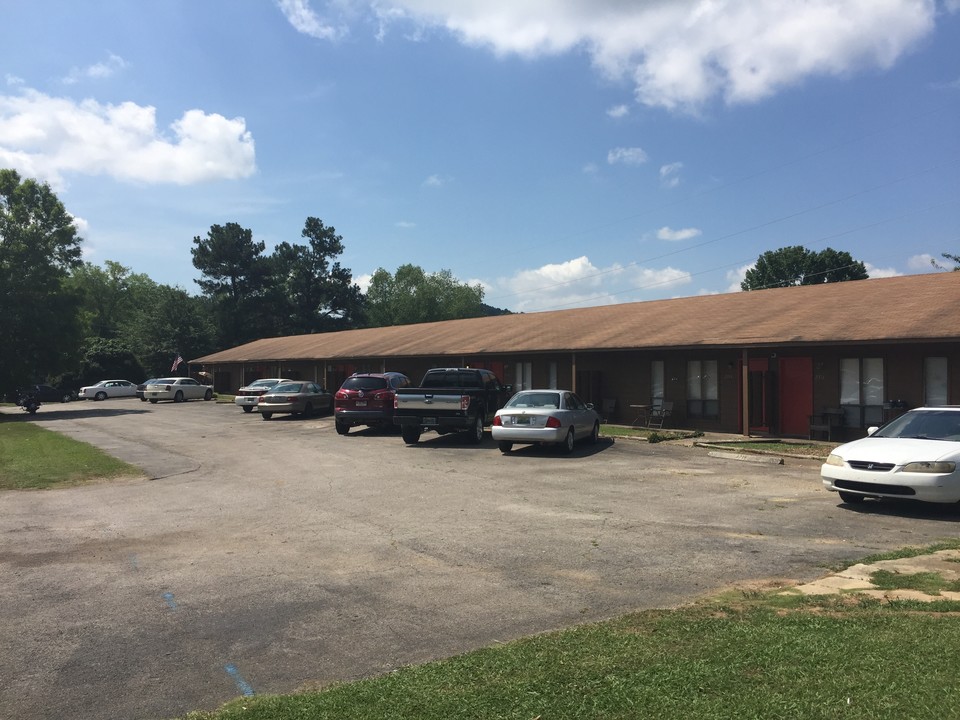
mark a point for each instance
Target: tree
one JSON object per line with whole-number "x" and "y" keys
{"x": 38, "y": 312}
{"x": 235, "y": 274}
{"x": 955, "y": 259}
{"x": 796, "y": 265}
{"x": 315, "y": 295}
{"x": 413, "y": 296}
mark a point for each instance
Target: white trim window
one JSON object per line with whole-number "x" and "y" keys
{"x": 861, "y": 391}
{"x": 703, "y": 389}
{"x": 935, "y": 381}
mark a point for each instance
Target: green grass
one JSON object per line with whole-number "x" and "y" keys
{"x": 648, "y": 434}
{"x": 762, "y": 656}
{"x": 32, "y": 458}
{"x": 782, "y": 448}
{"x": 926, "y": 582}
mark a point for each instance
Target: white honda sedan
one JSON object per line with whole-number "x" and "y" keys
{"x": 248, "y": 396}
{"x": 177, "y": 389}
{"x": 914, "y": 456}
{"x": 545, "y": 416}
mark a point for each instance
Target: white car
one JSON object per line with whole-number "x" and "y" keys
{"x": 248, "y": 396}
{"x": 914, "y": 456}
{"x": 545, "y": 416}
{"x": 108, "y": 389}
{"x": 178, "y": 389}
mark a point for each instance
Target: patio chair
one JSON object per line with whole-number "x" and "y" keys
{"x": 659, "y": 413}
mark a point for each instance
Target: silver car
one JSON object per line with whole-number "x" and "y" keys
{"x": 248, "y": 396}
{"x": 545, "y": 416}
{"x": 297, "y": 397}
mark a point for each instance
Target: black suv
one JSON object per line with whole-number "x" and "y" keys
{"x": 367, "y": 399}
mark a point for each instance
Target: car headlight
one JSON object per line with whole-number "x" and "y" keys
{"x": 834, "y": 460}
{"x": 930, "y": 467}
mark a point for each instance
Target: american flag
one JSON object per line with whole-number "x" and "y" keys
{"x": 176, "y": 363}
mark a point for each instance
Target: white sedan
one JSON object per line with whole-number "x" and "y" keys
{"x": 914, "y": 456}
{"x": 177, "y": 389}
{"x": 248, "y": 396}
{"x": 545, "y": 416}
{"x": 108, "y": 389}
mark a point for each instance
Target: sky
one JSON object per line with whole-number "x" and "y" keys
{"x": 561, "y": 153}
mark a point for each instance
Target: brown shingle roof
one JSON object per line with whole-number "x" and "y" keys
{"x": 897, "y": 309}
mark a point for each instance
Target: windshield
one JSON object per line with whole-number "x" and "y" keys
{"x": 264, "y": 383}
{"x": 288, "y": 388}
{"x": 924, "y": 424}
{"x": 365, "y": 383}
{"x": 549, "y": 400}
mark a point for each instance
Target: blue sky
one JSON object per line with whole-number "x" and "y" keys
{"x": 562, "y": 154}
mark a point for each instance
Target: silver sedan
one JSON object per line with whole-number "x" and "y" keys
{"x": 545, "y": 416}
{"x": 295, "y": 397}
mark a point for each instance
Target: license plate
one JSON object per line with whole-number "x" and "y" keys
{"x": 522, "y": 420}
{"x": 430, "y": 421}
{"x": 361, "y": 403}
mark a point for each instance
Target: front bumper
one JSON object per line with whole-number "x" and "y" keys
{"x": 928, "y": 487}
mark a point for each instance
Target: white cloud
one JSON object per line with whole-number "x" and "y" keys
{"x": 684, "y": 53}
{"x": 874, "y": 272}
{"x": 579, "y": 283}
{"x": 670, "y": 174}
{"x": 405, "y": 224}
{"x": 436, "y": 181}
{"x": 627, "y": 156}
{"x": 97, "y": 71}
{"x": 737, "y": 276}
{"x": 304, "y": 20}
{"x": 618, "y": 111}
{"x": 363, "y": 281}
{"x": 921, "y": 262}
{"x": 46, "y": 137}
{"x": 666, "y": 233}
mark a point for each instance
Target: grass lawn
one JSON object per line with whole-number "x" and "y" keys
{"x": 32, "y": 458}
{"x": 745, "y": 655}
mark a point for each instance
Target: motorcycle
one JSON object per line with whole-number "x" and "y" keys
{"x": 29, "y": 402}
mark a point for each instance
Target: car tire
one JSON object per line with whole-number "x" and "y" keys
{"x": 143, "y": 399}
{"x": 595, "y": 434}
{"x": 247, "y": 408}
{"x": 100, "y": 396}
{"x": 153, "y": 401}
{"x": 476, "y": 430}
{"x": 65, "y": 398}
{"x": 342, "y": 428}
{"x": 851, "y": 498}
{"x": 505, "y": 446}
{"x": 208, "y": 395}
{"x": 308, "y": 410}
{"x": 266, "y": 416}
{"x": 569, "y": 442}
{"x": 411, "y": 434}
{"x": 178, "y": 397}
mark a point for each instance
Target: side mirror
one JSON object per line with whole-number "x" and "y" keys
{"x": 871, "y": 430}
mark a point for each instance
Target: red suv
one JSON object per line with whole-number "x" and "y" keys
{"x": 367, "y": 399}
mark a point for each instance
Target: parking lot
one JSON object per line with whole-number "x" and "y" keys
{"x": 268, "y": 557}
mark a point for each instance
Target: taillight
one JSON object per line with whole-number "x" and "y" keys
{"x": 553, "y": 422}
{"x": 464, "y": 402}
{"x": 341, "y": 395}
{"x": 497, "y": 421}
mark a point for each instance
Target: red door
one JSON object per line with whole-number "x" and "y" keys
{"x": 796, "y": 395}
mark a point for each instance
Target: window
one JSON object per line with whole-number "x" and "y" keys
{"x": 524, "y": 376}
{"x": 861, "y": 391}
{"x": 935, "y": 381}
{"x": 703, "y": 392}
{"x": 656, "y": 382}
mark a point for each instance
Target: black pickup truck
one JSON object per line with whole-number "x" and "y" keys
{"x": 449, "y": 400}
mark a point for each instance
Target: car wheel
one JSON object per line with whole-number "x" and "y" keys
{"x": 266, "y": 416}
{"x": 100, "y": 396}
{"x": 505, "y": 446}
{"x": 208, "y": 395}
{"x": 851, "y": 498}
{"x": 411, "y": 434}
{"x": 476, "y": 432}
{"x": 247, "y": 408}
{"x": 143, "y": 399}
{"x": 343, "y": 428}
{"x": 153, "y": 401}
{"x": 569, "y": 442}
{"x": 308, "y": 410}
{"x": 179, "y": 396}
{"x": 595, "y": 435}
{"x": 65, "y": 398}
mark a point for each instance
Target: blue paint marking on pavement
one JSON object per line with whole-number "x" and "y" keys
{"x": 168, "y": 598}
{"x": 242, "y": 685}
{"x": 134, "y": 561}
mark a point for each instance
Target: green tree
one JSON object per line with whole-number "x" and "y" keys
{"x": 311, "y": 293}
{"x": 796, "y": 265}
{"x": 955, "y": 259}
{"x": 413, "y": 296}
{"x": 39, "y": 246}
{"x": 105, "y": 297}
{"x": 235, "y": 275}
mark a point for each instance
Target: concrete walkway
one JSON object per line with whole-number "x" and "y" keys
{"x": 856, "y": 579}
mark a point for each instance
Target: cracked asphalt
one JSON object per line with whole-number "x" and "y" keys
{"x": 266, "y": 557}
